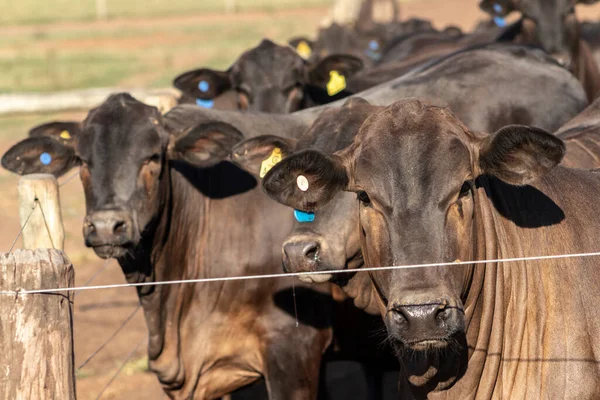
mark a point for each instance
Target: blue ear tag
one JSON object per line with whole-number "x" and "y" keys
{"x": 205, "y": 103}
{"x": 203, "y": 86}
{"x": 302, "y": 216}
{"x": 45, "y": 158}
{"x": 501, "y": 22}
{"x": 374, "y": 45}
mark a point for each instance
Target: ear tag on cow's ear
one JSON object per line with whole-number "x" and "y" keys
{"x": 302, "y": 216}
{"x": 270, "y": 162}
{"x": 205, "y": 103}
{"x": 203, "y": 86}
{"x": 45, "y": 158}
{"x": 499, "y": 21}
{"x": 65, "y": 135}
{"x": 302, "y": 183}
{"x": 374, "y": 45}
{"x": 337, "y": 83}
{"x": 303, "y": 49}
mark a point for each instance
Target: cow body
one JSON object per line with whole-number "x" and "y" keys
{"x": 553, "y": 26}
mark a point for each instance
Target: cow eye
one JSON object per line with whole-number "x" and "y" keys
{"x": 363, "y": 197}
{"x": 153, "y": 158}
{"x": 465, "y": 189}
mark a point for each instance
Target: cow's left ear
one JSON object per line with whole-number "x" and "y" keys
{"x": 306, "y": 180}
{"x": 334, "y": 70}
{"x": 498, "y": 8}
{"x": 258, "y": 155}
{"x": 204, "y": 83}
{"x": 520, "y": 155}
{"x": 205, "y": 145}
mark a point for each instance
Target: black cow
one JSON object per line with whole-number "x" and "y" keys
{"x": 552, "y": 25}
{"x": 272, "y": 78}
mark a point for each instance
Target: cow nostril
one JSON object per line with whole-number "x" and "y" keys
{"x": 120, "y": 227}
{"x": 442, "y": 314}
{"x": 311, "y": 251}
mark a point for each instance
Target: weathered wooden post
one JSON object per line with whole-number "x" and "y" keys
{"x": 44, "y": 228}
{"x": 36, "y": 331}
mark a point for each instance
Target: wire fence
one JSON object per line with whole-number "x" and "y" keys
{"x": 98, "y": 272}
{"x": 87, "y": 285}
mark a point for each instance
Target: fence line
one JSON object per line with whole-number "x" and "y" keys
{"x": 99, "y": 349}
{"x": 23, "y": 227}
{"x": 297, "y": 274}
{"x": 118, "y": 372}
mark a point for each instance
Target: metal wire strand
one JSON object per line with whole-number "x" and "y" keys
{"x": 111, "y": 337}
{"x": 23, "y": 227}
{"x": 118, "y": 372}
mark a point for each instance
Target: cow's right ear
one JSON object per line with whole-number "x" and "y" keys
{"x": 204, "y": 83}
{"x": 306, "y": 180}
{"x": 206, "y": 144}
{"x": 63, "y": 131}
{"x": 258, "y": 155}
{"x": 40, "y": 154}
{"x": 497, "y": 8}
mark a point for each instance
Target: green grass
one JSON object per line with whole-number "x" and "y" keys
{"x": 127, "y": 55}
{"x": 45, "y": 11}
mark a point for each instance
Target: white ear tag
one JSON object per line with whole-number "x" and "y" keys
{"x": 302, "y": 183}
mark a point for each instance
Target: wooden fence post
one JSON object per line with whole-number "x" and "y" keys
{"x": 36, "y": 331}
{"x": 42, "y": 227}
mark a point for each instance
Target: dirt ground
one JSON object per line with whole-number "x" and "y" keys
{"x": 99, "y": 313}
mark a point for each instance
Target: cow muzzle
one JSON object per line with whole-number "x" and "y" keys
{"x": 303, "y": 255}
{"x": 109, "y": 232}
{"x": 425, "y": 326}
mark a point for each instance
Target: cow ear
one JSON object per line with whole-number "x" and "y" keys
{"x": 306, "y": 180}
{"x": 205, "y": 84}
{"x": 303, "y": 46}
{"x": 519, "y": 154}
{"x": 258, "y": 155}
{"x": 40, "y": 154}
{"x": 205, "y": 145}
{"x": 65, "y": 132}
{"x": 497, "y": 8}
{"x": 335, "y": 67}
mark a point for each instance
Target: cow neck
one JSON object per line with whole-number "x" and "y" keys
{"x": 495, "y": 292}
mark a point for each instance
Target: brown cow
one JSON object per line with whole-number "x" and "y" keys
{"x": 432, "y": 191}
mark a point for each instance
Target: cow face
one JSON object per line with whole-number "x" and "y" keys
{"x": 268, "y": 78}
{"x": 123, "y": 149}
{"x": 414, "y": 169}
{"x": 330, "y": 240}
{"x": 551, "y": 24}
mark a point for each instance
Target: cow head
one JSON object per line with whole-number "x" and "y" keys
{"x": 123, "y": 149}
{"x": 551, "y": 24}
{"x": 269, "y": 78}
{"x": 329, "y": 241}
{"x": 415, "y": 170}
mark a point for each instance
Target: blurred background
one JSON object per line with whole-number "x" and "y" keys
{"x": 61, "y": 45}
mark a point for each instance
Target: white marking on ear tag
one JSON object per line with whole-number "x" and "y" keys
{"x": 302, "y": 183}
{"x": 337, "y": 83}
{"x": 65, "y": 135}
{"x": 270, "y": 162}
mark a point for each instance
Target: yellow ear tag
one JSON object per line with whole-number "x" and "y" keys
{"x": 303, "y": 49}
{"x": 270, "y": 162}
{"x": 65, "y": 135}
{"x": 337, "y": 83}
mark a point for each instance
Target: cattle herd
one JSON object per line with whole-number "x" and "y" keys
{"x": 452, "y": 147}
